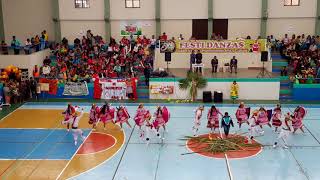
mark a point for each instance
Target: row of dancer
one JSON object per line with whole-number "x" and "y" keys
{"x": 283, "y": 125}
{"x": 120, "y": 115}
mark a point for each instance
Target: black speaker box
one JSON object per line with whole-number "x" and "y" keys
{"x": 207, "y": 96}
{"x": 167, "y": 56}
{"x": 218, "y": 97}
{"x": 264, "y": 56}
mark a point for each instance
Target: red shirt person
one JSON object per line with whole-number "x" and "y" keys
{"x": 164, "y": 37}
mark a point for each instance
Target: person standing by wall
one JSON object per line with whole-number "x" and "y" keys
{"x": 147, "y": 72}
{"x": 15, "y": 44}
{"x": 234, "y": 64}
{"x": 199, "y": 61}
{"x": 33, "y": 88}
{"x": 214, "y": 64}
{"x": 234, "y": 91}
{"x": 27, "y": 47}
{"x": 7, "y": 94}
{"x": 192, "y": 59}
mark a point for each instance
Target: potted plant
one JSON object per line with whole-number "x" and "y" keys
{"x": 193, "y": 82}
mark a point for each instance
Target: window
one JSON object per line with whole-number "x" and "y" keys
{"x": 132, "y": 3}
{"x": 292, "y": 2}
{"x": 82, "y": 3}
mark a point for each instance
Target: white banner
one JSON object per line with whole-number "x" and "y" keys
{"x": 76, "y": 89}
{"x": 114, "y": 89}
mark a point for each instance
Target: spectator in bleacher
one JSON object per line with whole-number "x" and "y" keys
{"x": 42, "y": 42}
{"x": 286, "y": 40}
{"x": 47, "y": 61}
{"x": 46, "y": 38}
{"x": 27, "y": 47}
{"x": 180, "y": 37}
{"x": 89, "y": 38}
{"x": 214, "y": 64}
{"x": 234, "y": 64}
{"x": 153, "y": 42}
{"x": 37, "y": 43}
{"x": 15, "y": 44}
{"x": 65, "y": 42}
{"x": 164, "y": 37}
{"x": 284, "y": 71}
{"x": 6, "y": 93}
{"x": 213, "y": 36}
{"x": 4, "y": 48}
{"x": 199, "y": 61}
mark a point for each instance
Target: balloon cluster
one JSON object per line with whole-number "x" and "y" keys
{"x": 11, "y": 70}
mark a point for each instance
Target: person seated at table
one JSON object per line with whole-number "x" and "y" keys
{"x": 233, "y": 64}
{"x": 199, "y": 61}
{"x": 192, "y": 59}
{"x": 214, "y": 64}
{"x": 284, "y": 71}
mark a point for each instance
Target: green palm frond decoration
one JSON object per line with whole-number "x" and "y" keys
{"x": 193, "y": 82}
{"x": 220, "y": 145}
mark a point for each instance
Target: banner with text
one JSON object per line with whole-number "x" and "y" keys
{"x": 211, "y": 46}
{"x": 75, "y": 89}
{"x": 158, "y": 89}
{"x": 114, "y": 89}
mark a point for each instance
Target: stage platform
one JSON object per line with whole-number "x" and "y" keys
{"x": 242, "y": 73}
{"x": 250, "y": 86}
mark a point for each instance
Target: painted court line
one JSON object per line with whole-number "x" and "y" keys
{"x": 300, "y": 166}
{"x": 19, "y": 162}
{"x": 9, "y": 114}
{"x": 115, "y": 142}
{"x": 227, "y": 160}
{"x": 124, "y": 134}
{"x": 33, "y": 159}
{"x": 73, "y": 156}
{"x": 124, "y": 151}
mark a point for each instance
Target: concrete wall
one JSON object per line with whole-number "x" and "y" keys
{"x": 184, "y": 9}
{"x": 28, "y": 18}
{"x": 291, "y": 19}
{"x": 25, "y": 19}
{"x": 146, "y": 10}
{"x": 182, "y": 60}
{"x": 24, "y": 61}
{"x": 76, "y": 21}
{"x": 247, "y": 90}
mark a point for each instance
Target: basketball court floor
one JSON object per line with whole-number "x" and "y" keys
{"x": 34, "y": 145}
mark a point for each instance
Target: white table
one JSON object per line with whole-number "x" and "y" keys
{"x": 194, "y": 66}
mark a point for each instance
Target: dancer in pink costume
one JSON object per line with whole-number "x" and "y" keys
{"x": 123, "y": 116}
{"x": 140, "y": 118}
{"x": 262, "y": 118}
{"x": 106, "y": 114}
{"x": 276, "y": 117}
{"x": 68, "y": 114}
{"x": 161, "y": 116}
{"x": 94, "y": 116}
{"x": 242, "y": 115}
{"x": 299, "y": 114}
{"x": 213, "y": 118}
